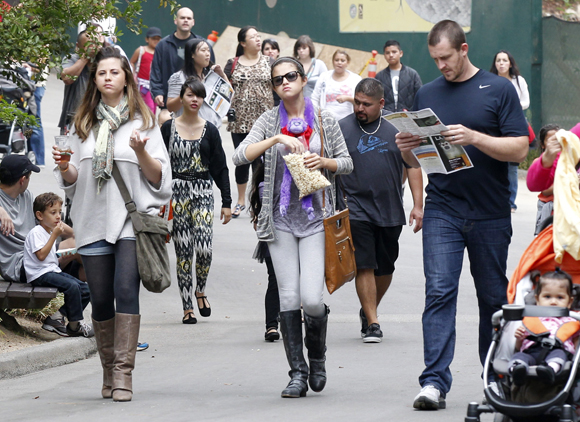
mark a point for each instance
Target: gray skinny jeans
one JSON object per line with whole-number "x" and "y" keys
{"x": 299, "y": 267}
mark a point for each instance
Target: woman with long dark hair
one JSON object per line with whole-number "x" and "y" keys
{"x": 197, "y": 63}
{"x": 249, "y": 74}
{"x": 505, "y": 65}
{"x": 270, "y": 47}
{"x": 293, "y": 227}
{"x": 197, "y": 158}
{"x": 113, "y": 127}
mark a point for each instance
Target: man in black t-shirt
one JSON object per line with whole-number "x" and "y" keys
{"x": 374, "y": 193}
{"x": 169, "y": 58}
{"x": 467, "y": 209}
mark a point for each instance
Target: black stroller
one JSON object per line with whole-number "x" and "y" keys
{"x": 17, "y": 89}
{"x": 561, "y": 401}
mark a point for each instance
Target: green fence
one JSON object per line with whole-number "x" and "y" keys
{"x": 561, "y": 73}
{"x": 514, "y": 25}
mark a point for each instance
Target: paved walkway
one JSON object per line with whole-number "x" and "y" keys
{"x": 222, "y": 370}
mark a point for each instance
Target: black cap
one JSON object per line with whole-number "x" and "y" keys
{"x": 14, "y": 166}
{"x": 153, "y": 32}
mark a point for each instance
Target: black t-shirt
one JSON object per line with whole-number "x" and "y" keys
{"x": 180, "y": 44}
{"x": 488, "y": 104}
{"x": 374, "y": 189}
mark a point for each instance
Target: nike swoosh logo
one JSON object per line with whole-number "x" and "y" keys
{"x": 483, "y": 86}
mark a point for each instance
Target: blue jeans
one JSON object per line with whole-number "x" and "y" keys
{"x": 444, "y": 241}
{"x": 76, "y": 292}
{"x": 37, "y": 138}
{"x": 513, "y": 179}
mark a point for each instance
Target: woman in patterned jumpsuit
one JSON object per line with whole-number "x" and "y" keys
{"x": 197, "y": 157}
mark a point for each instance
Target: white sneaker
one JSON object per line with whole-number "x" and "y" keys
{"x": 429, "y": 399}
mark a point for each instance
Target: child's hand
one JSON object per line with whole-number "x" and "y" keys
{"x": 58, "y": 229}
{"x": 521, "y": 333}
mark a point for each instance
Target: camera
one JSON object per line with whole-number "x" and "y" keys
{"x": 231, "y": 115}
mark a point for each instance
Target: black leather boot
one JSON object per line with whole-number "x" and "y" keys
{"x": 291, "y": 327}
{"x": 315, "y": 342}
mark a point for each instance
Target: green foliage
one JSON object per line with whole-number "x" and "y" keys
{"x": 9, "y": 112}
{"x": 37, "y": 30}
{"x": 39, "y": 315}
{"x": 533, "y": 153}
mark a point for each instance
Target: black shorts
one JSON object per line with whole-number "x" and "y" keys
{"x": 375, "y": 247}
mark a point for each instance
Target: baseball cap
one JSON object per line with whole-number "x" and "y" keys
{"x": 14, "y": 166}
{"x": 153, "y": 32}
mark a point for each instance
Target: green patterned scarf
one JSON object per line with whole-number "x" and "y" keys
{"x": 109, "y": 120}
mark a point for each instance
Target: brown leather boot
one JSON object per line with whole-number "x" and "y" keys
{"x": 126, "y": 338}
{"x": 105, "y": 336}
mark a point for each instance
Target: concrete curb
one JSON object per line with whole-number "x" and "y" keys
{"x": 56, "y": 353}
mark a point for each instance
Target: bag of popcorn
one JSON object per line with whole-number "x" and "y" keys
{"x": 307, "y": 181}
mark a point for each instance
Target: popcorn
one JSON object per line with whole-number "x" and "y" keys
{"x": 307, "y": 181}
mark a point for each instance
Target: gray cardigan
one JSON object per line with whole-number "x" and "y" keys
{"x": 267, "y": 126}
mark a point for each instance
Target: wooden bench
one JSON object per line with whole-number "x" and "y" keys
{"x": 24, "y": 296}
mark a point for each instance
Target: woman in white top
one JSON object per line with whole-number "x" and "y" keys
{"x": 334, "y": 90}
{"x": 505, "y": 65}
{"x": 197, "y": 63}
{"x": 304, "y": 52}
{"x": 113, "y": 128}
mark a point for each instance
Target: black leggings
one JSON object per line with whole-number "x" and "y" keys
{"x": 114, "y": 281}
{"x": 242, "y": 172}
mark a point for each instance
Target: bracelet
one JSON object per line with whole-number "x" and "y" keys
{"x": 65, "y": 170}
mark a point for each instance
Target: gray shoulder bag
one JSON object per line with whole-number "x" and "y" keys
{"x": 151, "y": 233}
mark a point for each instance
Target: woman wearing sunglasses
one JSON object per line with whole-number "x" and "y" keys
{"x": 293, "y": 227}
{"x": 249, "y": 74}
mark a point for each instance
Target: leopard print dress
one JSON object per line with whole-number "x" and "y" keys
{"x": 252, "y": 93}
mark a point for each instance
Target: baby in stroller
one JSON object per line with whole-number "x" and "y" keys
{"x": 529, "y": 397}
{"x": 547, "y": 342}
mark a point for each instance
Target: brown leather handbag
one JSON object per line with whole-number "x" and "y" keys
{"x": 340, "y": 264}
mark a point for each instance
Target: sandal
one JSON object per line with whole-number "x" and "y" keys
{"x": 189, "y": 318}
{"x": 272, "y": 334}
{"x": 238, "y": 210}
{"x": 204, "y": 311}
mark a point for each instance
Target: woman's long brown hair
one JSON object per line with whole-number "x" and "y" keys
{"x": 86, "y": 116}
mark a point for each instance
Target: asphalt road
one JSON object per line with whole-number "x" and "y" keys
{"x": 221, "y": 369}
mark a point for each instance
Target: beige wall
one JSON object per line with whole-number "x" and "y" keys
{"x": 225, "y": 48}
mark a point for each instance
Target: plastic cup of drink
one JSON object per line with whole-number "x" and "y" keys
{"x": 63, "y": 146}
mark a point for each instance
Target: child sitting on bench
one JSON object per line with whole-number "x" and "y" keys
{"x": 41, "y": 263}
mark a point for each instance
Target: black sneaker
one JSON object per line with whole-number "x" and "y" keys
{"x": 84, "y": 330}
{"x": 364, "y": 323}
{"x": 57, "y": 326}
{"x": 373, "y": 334}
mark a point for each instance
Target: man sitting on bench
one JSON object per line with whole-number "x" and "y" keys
{"x": 16, "y": 220}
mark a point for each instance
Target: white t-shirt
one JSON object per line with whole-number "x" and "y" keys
{"x": 328, "y": 90}
{"x": 34, "y": 267}
{"x": 395, "y": 83}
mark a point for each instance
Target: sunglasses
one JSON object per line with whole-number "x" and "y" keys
{"x": 290, "y": 77}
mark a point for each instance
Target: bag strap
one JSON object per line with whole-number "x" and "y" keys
{"x": 322, "y": 155}
{"x": 129, "y": 203}
{"x": 336, "y": 177}
{"x": 138, "y": 66}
